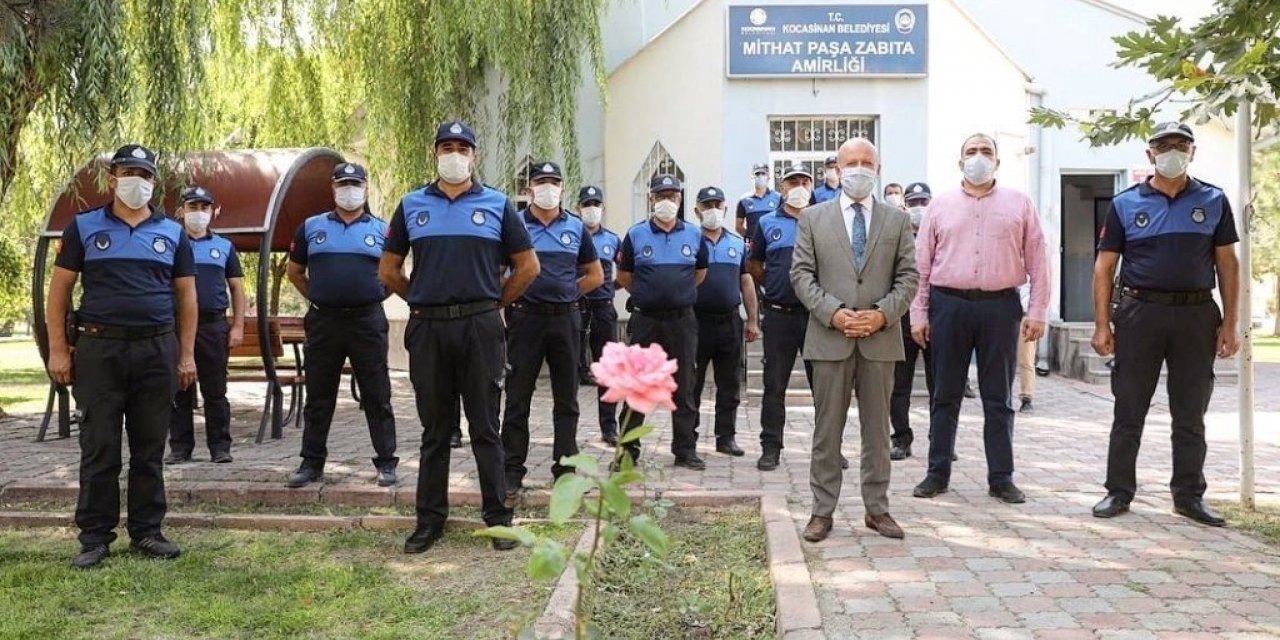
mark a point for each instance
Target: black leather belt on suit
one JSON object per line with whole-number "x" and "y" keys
{"x": 597, "y": 304}
{"x": 1175, "y": 298}
{"x": 544, "y": 309}
{"x": 357, "y": 310}
{"x": 718, "y": 317}
{"x": 453, "y": 311}
{"x": 976, "y": 294}
{"x": 785, "y": 308}
{"x": 122, "y": 333}
{"x": 210, "y": 317}
{"x": 665, "y": 314}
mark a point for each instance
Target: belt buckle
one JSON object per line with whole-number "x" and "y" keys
{"x": 454, "y": 311}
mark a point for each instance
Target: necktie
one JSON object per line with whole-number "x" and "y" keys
{"x": 859, "y": 235}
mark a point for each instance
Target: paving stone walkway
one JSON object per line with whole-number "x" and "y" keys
{"x": 970, "y": 567}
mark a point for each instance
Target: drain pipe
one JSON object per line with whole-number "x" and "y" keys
{"x": 1035, "y": 188}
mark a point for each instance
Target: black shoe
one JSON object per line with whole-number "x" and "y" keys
{"x": 1007, "y": 492}
{"x": 157, "y": 547}
{"x": 221, "y": 457}
{"x": 1026, "y": 406}
{"x": 768, "y": 460}
{"x": 387, "y": 476}
{"x": 1110, "y": 507}
{"x": 968, "y": 391}
{"x": 585, "y": 379}
{"x": 729, "y": 446}
{"x": 844, "y": 462}
{"x": 423, "y": 538}
{"x": 500, "y": 544}
{"x": 610, "y": 439}
{"x": 954, "y": 457}
{"x": 929, "y": 488}
{"x": 455, "y": 440}
{"x": 1200, "y": 512}
{"x": 90, "y": 556}
{"x": 691, "y": 462}
{"x": 900, "y": 452}
{"x": 305, "y": 476}
{"x": 174, "y": 458}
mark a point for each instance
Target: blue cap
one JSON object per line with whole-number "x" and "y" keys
{"x": 590, "y": 193}
{"x": 796, "y": 169}
{"x": 196, "y": 194}
{"x": 760, "y": 168}
{"x": 539, "y": 170}
{"x": 917, "y": 191}
{"x": 832, "y": 161}
{"x": 709, "y": 194}
{"x": 1171, "y": 129}
{"x": 349, "y": 172}
{"x": 135, "y": 155}
{"x": 456, "y": 130}
{"x": 664, "y": 182}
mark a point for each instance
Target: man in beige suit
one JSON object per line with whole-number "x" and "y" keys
{"x": 854, "y": 269}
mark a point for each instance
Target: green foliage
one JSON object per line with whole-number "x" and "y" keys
{"x": 13, "y": 286}
{"x": 1233, "y": 55}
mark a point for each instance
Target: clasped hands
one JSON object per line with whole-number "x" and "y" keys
{"x": 858, "y": 324}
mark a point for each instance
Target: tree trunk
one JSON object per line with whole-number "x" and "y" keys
{"x": 277, "y": 279}
{"x": 23, "y": 95}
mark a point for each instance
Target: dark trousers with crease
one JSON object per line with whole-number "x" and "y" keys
{"x": 904, "y": 379}
{"x": 1183, "y": 339}
{"x": 678, "y": 336}
{"x": 211, "y": 368}
{"x": 600, "y": 327}
{"x": 464, "y": 357}
{"x": 720, "y": 349}
{"x": 126, "y": 384}
{"x": 533, "y": 339}
{"x": 783, "y": 343}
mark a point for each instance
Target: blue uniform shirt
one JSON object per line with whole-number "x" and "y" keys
{"x": 663, "y": 264}
{"x": 562, "y": 248}
{"x": 823, "y": 193}
{"x": 126, "y": 273}
{"x": 751, "y": 207}
{"x": 341, "y": 259}
{"x": 1168, "y": 243}
{"x": 721, "y": 291}
{"x": 607, "y": 244}
{"x": 216, "y": 262}
{"x": 773, "y": 244}
{"x": 460, "y": 247}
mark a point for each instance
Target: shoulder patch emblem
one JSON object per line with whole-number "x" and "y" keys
{"x": 215, "y": 254}
{"x": 647, "y": 251}
{"x": 102, "y": 241}
{"x": 776, "y": 234}
{"x": 478, "y": 217}
{"x": 370, "y": 240}
{"x": 321, "y": 237}
{"x": 423, "y": 218}
{"x": 686, "y": 250}
{"x": 606, "y": 250}
{"x": 1197, "y": 215}
{"x": 733, "y": 252}
{"x": 566, "y": 238}
{"x": 1142, "y": 219}
{"x": 160, "y": 245}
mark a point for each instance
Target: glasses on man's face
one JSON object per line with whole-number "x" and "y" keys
{"x": 1170, "y": 145}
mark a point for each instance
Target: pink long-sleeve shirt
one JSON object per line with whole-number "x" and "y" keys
{"x": 988, "y": 242}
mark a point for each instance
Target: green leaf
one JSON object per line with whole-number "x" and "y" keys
{"x": 626, "y": 477}
{"x": 547, "y": 561}
{"x": 566, "y": 497}
{"x": 648, "y": 531}
{"x": 519, "y": 534}
{"x": 584, "y": 462}
{"x": 635, "y": 434}
{"x": 615, "y": 498}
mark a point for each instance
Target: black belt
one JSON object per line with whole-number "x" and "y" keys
{"x": 210, "y": 317}
{"x": 453, "y": 311}
{"x": 665, "y": 314}
{"x": 122, "y": 333}
{"x": 718, "y": 317}
{"x": 1175, "y": 298}
{"x": 357, "y": 310}
{"x": 976, "y": 294}
{"x": 545, "y": 309}
{"x": 785, "y": 308}
{"x": 597, "y": 304}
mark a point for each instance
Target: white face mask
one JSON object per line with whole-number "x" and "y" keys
{"x": 197, "y": 221}
{"x": 858, "y": 182}
{"x": 665, "y": 210}
{"x": 349, "y": 198}
{"x": 712, "y": 219}
{"x": 917, "y": 216}
{"x": 798, "y": 197}
{"x": 134, "y": 191}
{"x": 761, "y": 181}
{"x": 1172, "y": 164}
{"x": 453, "y": 168}
{"x": 592, "y": 215}
{"x": 893, "y": 200}
{"x": 832, "y": 176}
{"x": 979, "y": 169}
{"x": 546, "y": 196}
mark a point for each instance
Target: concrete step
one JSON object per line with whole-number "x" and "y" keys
{"x": 794, "y": 398}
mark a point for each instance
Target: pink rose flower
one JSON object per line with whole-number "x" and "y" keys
{"x": 642, "y": 377}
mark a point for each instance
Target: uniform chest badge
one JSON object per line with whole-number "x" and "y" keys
{"x": 1142, "y": 220}
{"x": 215, "y": 254}
{"x": 370, "y": 240}
{"x": 1197, "y": 215}
{"x": 686, "y": 250}
{"x": 647, "y": 252}
{"x": 478, "y": 217}
{"x": 606, "y": 250}
{"x": 777, "y": 234}
{"x": 102, "y": 242}
{"x": 321, "y": 237}
{"x": 566, "y": 238}
{"x": 733, "y": 252}
{"x": 423, "y": 218}
{"x": 160, "y": 245}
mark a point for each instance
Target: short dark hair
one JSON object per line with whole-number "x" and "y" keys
{"x": 988, "y": 138}
{"x": 891, "y": 185}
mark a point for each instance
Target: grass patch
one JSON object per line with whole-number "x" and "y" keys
{"x": 1266, "y": 349}
{"x": 22, "y": 378}
{"x": 236, "y": 584}
{"x": 1263, "y": 522}
{"x": 714, "y": 584}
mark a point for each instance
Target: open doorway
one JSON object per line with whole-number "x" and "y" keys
{"x": 1086, "y": 199}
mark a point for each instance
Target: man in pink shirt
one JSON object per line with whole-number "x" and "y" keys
{"x": 978, "y": 244}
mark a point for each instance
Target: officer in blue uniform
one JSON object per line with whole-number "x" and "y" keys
{"x": 217, "y": 269}
{"x": 830, "y": 187}
{"x": 545, "y": 325}
{"x": 785, "y": 319}
{"x": 757, "y": 202}
{"x": 664, "y": 260}
{"x": 464, "y": 236}
{"x": 599, "y": 316}
{"x": 138, "y": 279}
{"x": 720, "y": 331}
{"x": 334, "y": 265}
{"x": 917, "y": 198}
{"x": 1177, "y": 236}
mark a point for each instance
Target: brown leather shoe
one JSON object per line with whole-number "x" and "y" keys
{"x": 818, "y": 529}
{"x": 885, "y": 525}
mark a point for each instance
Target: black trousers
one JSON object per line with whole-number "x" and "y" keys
{"x": 720, "y": 347}
{"x": 783, "y": 342}
{"x": 678, "y": 336}
{"x": 211, "y": 367}
{"x": 904, "y": 378}
{"x": 533, "y": 339}
{"x": 448, "y": 358}
{"x": 1182, "y": 338}
{"x": 129, "y": 383}
{"x": 333, "y": 337}
{"x": 600, "y": 327}
{"x": 959, "y": 328}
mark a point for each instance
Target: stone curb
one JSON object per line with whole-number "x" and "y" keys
{"x": 256, "y": 522}
{"x": 557, "y": 619}
{"x": 798, "y": 616}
